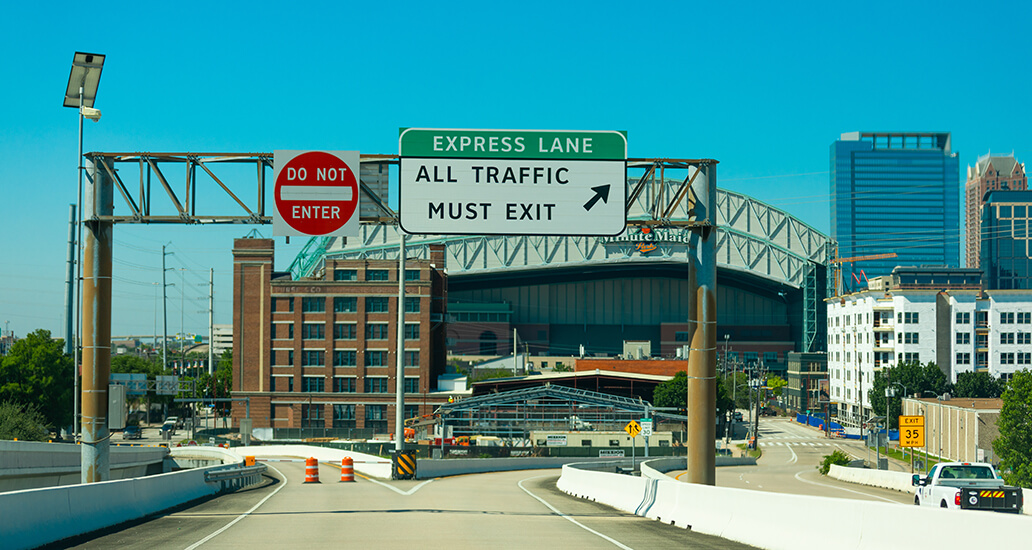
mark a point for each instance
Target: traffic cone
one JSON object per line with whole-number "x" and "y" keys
{"x": 347, "y": 470}
{"x": 311, "y": 470}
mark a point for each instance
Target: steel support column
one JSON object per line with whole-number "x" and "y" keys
{"x": 96, "y": 325}
{"x": 702, "y": 358}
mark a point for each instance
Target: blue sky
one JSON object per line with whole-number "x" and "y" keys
{"x": 762, "y": 87}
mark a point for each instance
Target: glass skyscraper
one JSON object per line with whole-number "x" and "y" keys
{"x": 895, "y": 192}
{"x": 1006, "y": 258}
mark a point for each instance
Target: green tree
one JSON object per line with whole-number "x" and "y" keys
{"x": 37, "y": 373}
{"x": 1014, "y": 446}
{"x": 135, "y": 364}
{"x": 21, "y": 422}
{"x": 914, "y": 377}
{"x": 776, "y": 383}
{"x": 674, "y": 393}
{"x": 978, "y": 384}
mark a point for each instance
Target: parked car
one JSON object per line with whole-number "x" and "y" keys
{"x": 132, "y": 432}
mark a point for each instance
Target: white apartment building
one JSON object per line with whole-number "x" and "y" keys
{"x": 223, "y": 335}
{"x": 959, "y": 330}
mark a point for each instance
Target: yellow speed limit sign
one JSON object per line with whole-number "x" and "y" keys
{"x": 633, "y": 428}
{"x": 911, "y": 431}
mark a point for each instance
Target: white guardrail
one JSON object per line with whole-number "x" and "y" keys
{"x": 34, "y": 517}
{"x": 778, "y": 521}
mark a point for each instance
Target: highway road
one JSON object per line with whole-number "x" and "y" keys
{"x": 499, "y": 510}
{"x": 791, "y": 453}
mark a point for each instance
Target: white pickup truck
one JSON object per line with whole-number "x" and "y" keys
{"x": 966, "y": 486}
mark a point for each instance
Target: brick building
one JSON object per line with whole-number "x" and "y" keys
{"x": 320, "y": 353}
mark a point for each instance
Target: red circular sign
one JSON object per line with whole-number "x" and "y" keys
{"x": 316, "y": 193}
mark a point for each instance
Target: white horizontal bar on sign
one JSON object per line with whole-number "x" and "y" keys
{"x": 315, "y": 193}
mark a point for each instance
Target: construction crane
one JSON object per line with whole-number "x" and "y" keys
{"x": 837, "y": 262}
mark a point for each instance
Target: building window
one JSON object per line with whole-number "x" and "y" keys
{"x": 411, "y": 331}
{"x": 411, "y": 274}
{"x": 344, "y": 331}
{"x": 375, "y": 358}
{"x": 290, "y": 357}
{"x": 488, "y": 343}
{"x": 1024, "y": 358}
{"x": 376, "y": 331}
{"x": 1006, "y": 317}
{"x": 1025, "y": 318}
{"x": 312, "y": 416}
{"x": 981, "y": 319}
{"x": 751, "y": 357}
{"x": 376, "y": 304}
{"x": 345, "y": 304}
{"x": 315, "y": 304}
{"x": 911, "y": 318}
{"x": 963, "y": 358}
{"x": 343, "y": 416}
{"x": 376, "y": 384}
{"x": 963, "y": 318}
{"x": 345, "y": 275}
{"x": 344, "y": 358}
{"x": 910, "y": 338}
{"x": 313, "y": 384}
{"x": 411, "y": 384}
{"x": 912, "y": 358}
{"x": 1006, "y": 337}
{"x": 1006, "y": 358}
{"x": 412, "y": 304}
{"x": 963, "y": 338}
{"x": 313, "y": 331}
{"x": 682, "y": 336}
{"x": 1024, "y": 338}
{"x": 411, "y": 411}
{"x": 982, "y": 340}
{"x": 281, "y": 305}
{"x": 376, "y": 418}
{"x": 411, "y": 358}
{"x": 313, "y": 358}
{"x": 377, "y": 275}
{"x": 343, "y": 384}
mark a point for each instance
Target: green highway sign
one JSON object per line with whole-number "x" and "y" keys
{"x": 513, "y": 182}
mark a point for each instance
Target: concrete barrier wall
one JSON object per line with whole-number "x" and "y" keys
{"x": 427, "y": 468}
{"x": 31, "y": 464}
{"x": 369, "y": 465}
{"x": 782, "y": 522}
{"x": 899, "y": 481}
{"x": 40, "y": 516}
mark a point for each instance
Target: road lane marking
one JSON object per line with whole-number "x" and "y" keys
{"x": 795, "y": 457}
{"x": 245, "y": 514}
{"x": 618, "y": 544}
{"x": 841, "y": 488}
{"x": 397, "y": 490}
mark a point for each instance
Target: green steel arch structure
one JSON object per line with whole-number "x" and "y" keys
{"x": 756, "y": 240}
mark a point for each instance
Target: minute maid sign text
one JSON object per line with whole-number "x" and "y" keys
{"x": 647, "y": 239}
{"x": 513, "y": 182}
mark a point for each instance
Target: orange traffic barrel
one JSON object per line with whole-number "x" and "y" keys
{"x": 311, "y": 470}
{"x": 347, "y": 469}
{"x": 248, "y": 461}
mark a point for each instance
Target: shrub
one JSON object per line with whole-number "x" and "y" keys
{"x": 838, "y": 457}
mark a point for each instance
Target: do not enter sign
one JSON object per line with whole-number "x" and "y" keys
{"x": 316, "y": 193}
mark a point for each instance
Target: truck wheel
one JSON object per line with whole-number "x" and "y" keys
{"x": 943, "y": 504}
{"x": 917, "y": 501}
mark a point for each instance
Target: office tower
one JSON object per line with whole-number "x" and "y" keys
{"x": 895, "y": 192}
{"x": 990, "y": 173}
{"x": 1005, "y": 254}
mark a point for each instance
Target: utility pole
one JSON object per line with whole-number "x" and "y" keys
{"x": 211, "y": 321}
{"x": 164, "y": 310}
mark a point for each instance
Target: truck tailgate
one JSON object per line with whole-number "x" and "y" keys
{"x": 1008, "y": 499}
